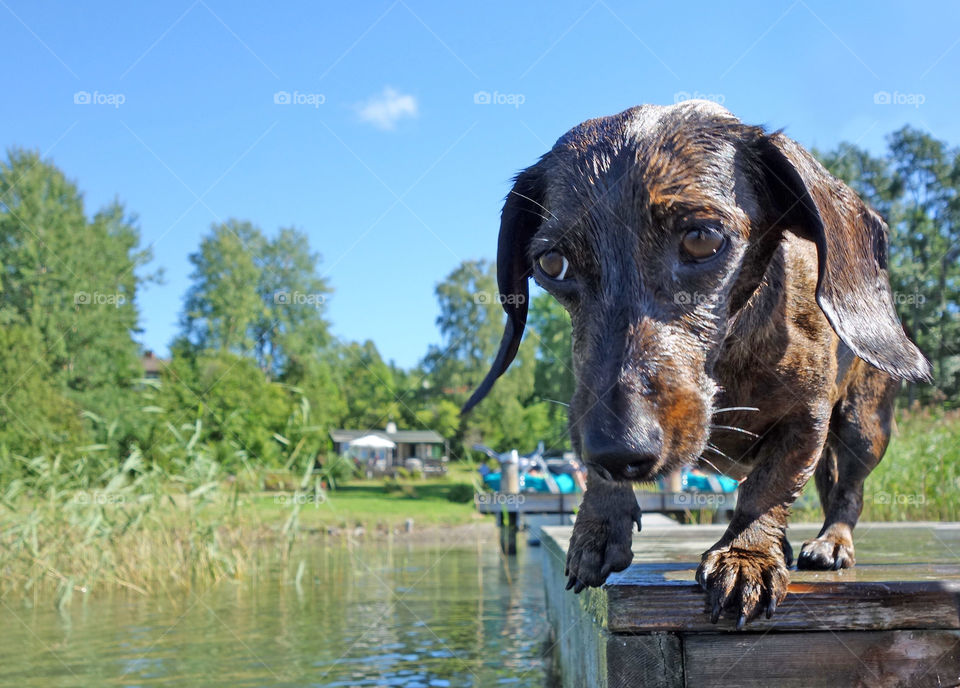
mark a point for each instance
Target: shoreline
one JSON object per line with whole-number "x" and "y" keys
{"x": 432, "y": 533}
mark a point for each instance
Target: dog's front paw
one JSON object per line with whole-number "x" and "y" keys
{"x": 602, "y": 542}
{"x": 832, "y": 549}
{"x": 743, "y": 581}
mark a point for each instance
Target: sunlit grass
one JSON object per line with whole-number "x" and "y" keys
{"x": 918, "y": 478}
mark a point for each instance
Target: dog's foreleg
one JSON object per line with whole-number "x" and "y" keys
{"x": 603, "y": 532}
{"x": 745, "y": 572}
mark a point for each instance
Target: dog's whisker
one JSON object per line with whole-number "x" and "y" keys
{"x": 710, "y": 463}
{"x": 736, "y": 408}
{"x": 536, "y": 203}
{"x": 559, "y": 403}
{"x": 533, "y": 212}
{"x": 730, "y": 427}
{"x": 710, "y": 447}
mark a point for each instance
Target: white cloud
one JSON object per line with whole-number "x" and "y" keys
{"x": 385, "y": 110}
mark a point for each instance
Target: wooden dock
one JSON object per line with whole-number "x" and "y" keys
{"x": 893, "y": 620}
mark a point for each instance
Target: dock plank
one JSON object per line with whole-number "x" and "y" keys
{"x": 649, "y": 598}
{"x": 823, "y": 660}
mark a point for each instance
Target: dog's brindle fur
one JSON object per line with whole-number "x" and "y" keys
{"x": 794, "y": 316}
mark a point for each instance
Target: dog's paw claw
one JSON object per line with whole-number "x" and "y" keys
{"x": 743, "y": 582}
{"x": 599, "y": 546}
{"x": 826, "y": 554}
{"x": 593, "y": 562}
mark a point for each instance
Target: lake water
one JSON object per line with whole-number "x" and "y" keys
{"x": 370, "y": 615}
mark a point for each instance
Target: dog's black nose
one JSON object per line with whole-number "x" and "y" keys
{"x": 630, "y": 455}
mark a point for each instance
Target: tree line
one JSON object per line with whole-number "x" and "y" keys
{"x": 255, "y": 377}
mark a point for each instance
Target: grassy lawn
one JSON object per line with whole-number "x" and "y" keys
{"x": 368, "y": 503}
{"x": 378, "y": 504}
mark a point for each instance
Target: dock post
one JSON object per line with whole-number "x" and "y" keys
{"x": 509, "y": 518}
{"x": 675, "y": 481}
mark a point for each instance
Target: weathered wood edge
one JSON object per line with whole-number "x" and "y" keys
{"x": 918, "y": 659}
{"x": 586, "y": 654}
{"x": 675, "y": 606}
{"x": 807, "y": 607}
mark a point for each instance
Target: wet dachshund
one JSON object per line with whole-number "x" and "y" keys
{"x": 729, "y": 301}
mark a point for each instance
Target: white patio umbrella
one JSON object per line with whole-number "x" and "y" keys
{"x": 373, "y": 442}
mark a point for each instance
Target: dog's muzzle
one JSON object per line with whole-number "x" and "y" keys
{"x": 624, "y": 448}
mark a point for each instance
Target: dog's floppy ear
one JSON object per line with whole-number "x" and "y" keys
{"x": 521, "y": 217}
{"x": 853, "y": 288}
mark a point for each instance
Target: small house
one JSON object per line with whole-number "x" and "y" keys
{"x": 394, "y": 446}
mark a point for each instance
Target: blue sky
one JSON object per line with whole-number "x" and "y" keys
{"x": 382, "y": 154}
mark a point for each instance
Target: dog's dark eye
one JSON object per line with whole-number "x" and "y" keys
{"x": 554, "y": 265}
{"x": 702, "y": 243}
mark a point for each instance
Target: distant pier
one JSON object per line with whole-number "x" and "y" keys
{"x": 508, "y": 507}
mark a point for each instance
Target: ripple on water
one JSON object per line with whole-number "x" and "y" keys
{"x": 409, "y": 616}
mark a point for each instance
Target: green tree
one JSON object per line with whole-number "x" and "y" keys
{"x": 553, "y": 373}
{"x": 224, "y": 302}
{"x": 471, "y": 324}
{"x": 261, "y": 301}
{"x": 35, "y": 417}
{"x": 292, "y": 337}
{"x": 292, "y": 328}
{"x": 927, "y": 236}
{"x": 239, "y": 413}
{"x": 369, "y": 386}
{"x": 71, "y": 284}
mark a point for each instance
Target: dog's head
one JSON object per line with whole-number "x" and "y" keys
{"x": 653, "y": 227}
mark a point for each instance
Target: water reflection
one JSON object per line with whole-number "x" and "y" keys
{"x": 375, "y": 615}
